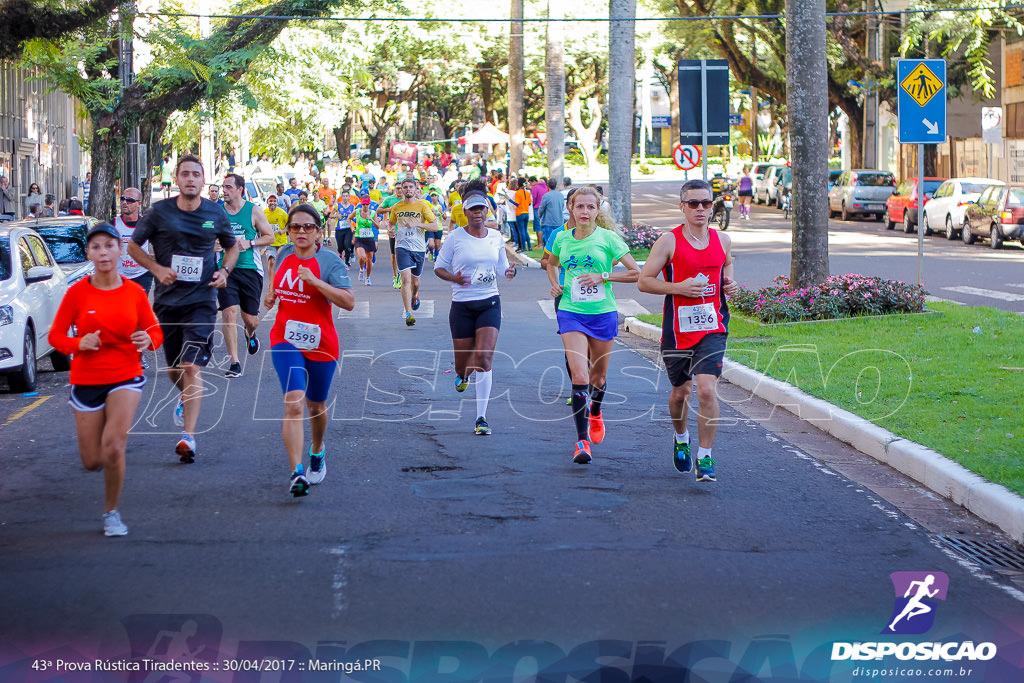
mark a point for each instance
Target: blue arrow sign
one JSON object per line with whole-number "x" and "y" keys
{"x": 921, "y": 100}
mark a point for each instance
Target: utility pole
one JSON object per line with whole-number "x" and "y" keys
{"x": 754, "y": 109}
{"x": 131, "y": 171}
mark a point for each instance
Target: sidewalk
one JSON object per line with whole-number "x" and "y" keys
{"x": 991, "y": 502}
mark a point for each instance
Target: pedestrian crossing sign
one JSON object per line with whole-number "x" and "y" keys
{"x": 921, "y": 84}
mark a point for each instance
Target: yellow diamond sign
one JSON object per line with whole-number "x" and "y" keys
{"x": 922, "y": 85}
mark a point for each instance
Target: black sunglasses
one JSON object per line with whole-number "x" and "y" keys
{"x": 130, "y": 200}
{"x": 703, "y": 203}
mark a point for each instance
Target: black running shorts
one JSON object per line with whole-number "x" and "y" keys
{"x": 466, "y": 317}
{"x": 244, "y": 289}
{"x": 89, "y": 398}
{"x": 188, "y": 332}
{"x": 703, "y": 358}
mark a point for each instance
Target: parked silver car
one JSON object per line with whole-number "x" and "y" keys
{"x": 860, "y": 192}
{"x": 766, "y": 192}
{"x": 945, "y": 211}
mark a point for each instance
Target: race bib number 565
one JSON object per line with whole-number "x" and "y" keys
{"x": 582, "y": 294}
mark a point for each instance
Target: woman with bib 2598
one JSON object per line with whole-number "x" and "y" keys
{"x": 303, "y": 342}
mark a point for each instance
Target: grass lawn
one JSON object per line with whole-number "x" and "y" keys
{"x": 952, "y": 381}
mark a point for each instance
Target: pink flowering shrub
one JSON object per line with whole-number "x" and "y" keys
{"x": 640, "y": 236}
{"x": 840, "y": 296}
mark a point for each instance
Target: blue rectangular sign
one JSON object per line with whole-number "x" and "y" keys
{"x": 921, "y": 100}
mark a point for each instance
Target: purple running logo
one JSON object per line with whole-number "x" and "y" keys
{"x": 917, "y": 594}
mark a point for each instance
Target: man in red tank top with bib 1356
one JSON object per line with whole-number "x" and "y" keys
{"x": 697, "y": 272}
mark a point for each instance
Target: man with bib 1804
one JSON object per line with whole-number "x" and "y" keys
{"x": 182, "y": 231}
{"x": 696, "y": 264}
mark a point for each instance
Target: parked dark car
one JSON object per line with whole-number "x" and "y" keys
{"x": 998, "y": 215}
{"x": 833, "y": 176}
{"x": 901, "y": 207}
{"x": 65, "y": 236}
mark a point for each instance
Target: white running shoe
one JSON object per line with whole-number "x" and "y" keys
{"x": 112, "y": 524}
{"x": 179, "y": 412}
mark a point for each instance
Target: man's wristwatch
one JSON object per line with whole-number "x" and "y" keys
{"x": 605, "y": 276}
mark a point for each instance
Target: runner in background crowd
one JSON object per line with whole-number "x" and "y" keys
{"x": 277, "y": 217}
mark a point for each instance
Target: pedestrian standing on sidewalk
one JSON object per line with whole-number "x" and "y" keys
{"x": 114, "y": 323}
{"x": 182, "y": 231}
{"x": 587, "y": 314}
{"x": 696, "y": 266}
{"x": 303, "y": 341}
{"x": 470, "y": 260}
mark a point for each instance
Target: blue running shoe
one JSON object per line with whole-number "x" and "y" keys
{"x": 179, "y": 412}
{"x": 706, "y": 469}
{"x": 298, "y": 485}
{"x": 481, "y": 428}
{"x": 681, "y": 457}
{"x": 415, "y": 303}
{"x": 461, "y": 383}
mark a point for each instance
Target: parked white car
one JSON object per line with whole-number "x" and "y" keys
{"x": 944, "y": 212}
{"x": 766, "y": 191}
{"x": 32, "y": 285}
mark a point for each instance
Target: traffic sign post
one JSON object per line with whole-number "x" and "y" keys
{"x": 921, "y": 111}
{"x": 703, "y": 103}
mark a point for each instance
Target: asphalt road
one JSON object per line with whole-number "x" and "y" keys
{"x": 455, "y": 557}
{"x": 973, "y": 275}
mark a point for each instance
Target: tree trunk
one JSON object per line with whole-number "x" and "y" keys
{"x": 621, "y": 95}
{"x": 515, "y": 89}
{"x": 586, "y": 136}
{"x": 150, "y": 134}
{"x": 807, "y": 106}
{"x": 108, "y": 143}
{"x": 554, "y": 93}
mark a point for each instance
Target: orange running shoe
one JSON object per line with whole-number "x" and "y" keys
{"x": 596, "y": 428}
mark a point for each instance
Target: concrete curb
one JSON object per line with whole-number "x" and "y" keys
{"x": 520, "y": 259}
{"x": 992, "y": 502}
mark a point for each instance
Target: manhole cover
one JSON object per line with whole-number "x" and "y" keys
{"x": 986, "y": 553}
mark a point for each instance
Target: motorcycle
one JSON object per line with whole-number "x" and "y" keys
{"x": 722, "y": 209}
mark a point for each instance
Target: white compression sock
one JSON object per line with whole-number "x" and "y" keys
{"x": 482, "y": 380}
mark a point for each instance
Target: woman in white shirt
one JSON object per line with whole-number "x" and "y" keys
{"x": 471, "y": 259}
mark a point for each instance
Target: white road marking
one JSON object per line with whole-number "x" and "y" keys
{"x": 988, "y": 293}
{"x": 631, "y": 307}
{"x": 1018, "y": 285}
{"x": 361, "y": 311}
{"x": 548, "y": 306}
{"x": 940, "y": 300}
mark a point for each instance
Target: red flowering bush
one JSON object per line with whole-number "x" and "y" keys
{"x": 840, "y": 296}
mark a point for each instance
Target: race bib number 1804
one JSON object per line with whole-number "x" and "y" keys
{"x": 582, "y": 294}
{"x": 303, "y": 336}
{"x": 188, "y": 268}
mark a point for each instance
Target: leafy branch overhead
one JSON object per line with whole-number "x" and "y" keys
{"x": 24, "y": 20}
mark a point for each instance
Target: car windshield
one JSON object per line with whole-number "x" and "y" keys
{"x": 267, "y": 187}
{"x": 5, "y": 259}
{"x": 930, "y": 186}
{"x": 67, "y": 242}
{"x": 972, "y": 188}
{"x": 875, "y": 180}
{"x": 787, "y": 176}
{"x": 1016, "y": 197}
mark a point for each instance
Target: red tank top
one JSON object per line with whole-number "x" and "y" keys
{"x": 686, "y": 321}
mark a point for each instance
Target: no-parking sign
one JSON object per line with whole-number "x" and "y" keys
{"x": 686, "y": 157}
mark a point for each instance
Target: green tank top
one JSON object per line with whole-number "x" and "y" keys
{"x": 242, "y": 226}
